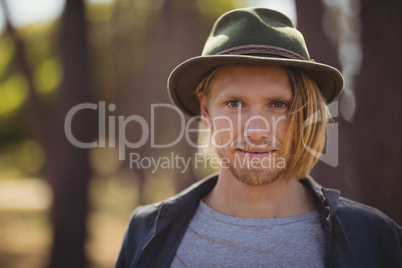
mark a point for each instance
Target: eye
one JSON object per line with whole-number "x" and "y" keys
{"x": 279, "y": 104}
{"x": 235, "y": 104}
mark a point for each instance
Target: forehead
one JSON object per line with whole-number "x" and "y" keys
{"x": 256, "y": 80}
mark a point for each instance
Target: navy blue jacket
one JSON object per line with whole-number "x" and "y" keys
{"x": 356, "y": 235}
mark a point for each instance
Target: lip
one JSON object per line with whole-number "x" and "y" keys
{"x": 257, "y": 152}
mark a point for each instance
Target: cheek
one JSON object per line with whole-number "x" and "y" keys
{"x": 225, "y": 129}
{"x": 221, "y": 119}
{"x": 280, "y": 126}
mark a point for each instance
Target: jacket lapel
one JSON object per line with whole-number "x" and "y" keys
{"x": 338, "y": 249}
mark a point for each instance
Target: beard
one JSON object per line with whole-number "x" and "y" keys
{"x": 256, "y": 176}
{"x": 254, "y": 171}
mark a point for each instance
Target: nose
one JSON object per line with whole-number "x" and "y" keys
{"x": 256, "y": 128}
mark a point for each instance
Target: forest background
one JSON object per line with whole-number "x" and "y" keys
{"x": 63, "y": 206}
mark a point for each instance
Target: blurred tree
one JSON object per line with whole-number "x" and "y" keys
{"x": 378, "y": 128}
{"x": 168, "y": 42}
{"x": 68, "y": 166}
{"x": 165, "y": 41}
{"x": 310, "y": 17}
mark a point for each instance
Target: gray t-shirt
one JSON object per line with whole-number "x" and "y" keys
{"x": 216, "y": 240}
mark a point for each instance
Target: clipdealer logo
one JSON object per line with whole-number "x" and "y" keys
{"x": 330, "y": 156}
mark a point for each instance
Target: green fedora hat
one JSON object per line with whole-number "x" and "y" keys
{"x": 244, "y": 36}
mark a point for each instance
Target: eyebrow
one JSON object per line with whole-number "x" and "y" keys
{"x": 234, "y": 96}
{"x": 269, "y": 99}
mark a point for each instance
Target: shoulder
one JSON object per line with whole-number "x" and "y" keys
{"x": 360, "y": 220}
{"x": 146, "y": 211}
{"x": 352, "y": 210}
{"x": 143, "y": 218}
{"x": 376, "y": 239}
{"x": 138, "y": 232}
{"x": 141, "y": 224}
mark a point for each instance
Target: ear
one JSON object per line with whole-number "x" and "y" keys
{"x": 204, "y": 110}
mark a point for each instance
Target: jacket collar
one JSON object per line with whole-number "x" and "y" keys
{"x": 327, "y": 199}
{"x": 190, "y": 197}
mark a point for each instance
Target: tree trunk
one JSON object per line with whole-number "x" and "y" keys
{"x": 68, "y": 166}
{"x": 378, "y": 126}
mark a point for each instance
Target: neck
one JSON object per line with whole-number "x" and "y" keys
{"x": 285, "y": 197}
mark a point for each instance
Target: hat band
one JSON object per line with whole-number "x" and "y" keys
{"x": 261, "y": 49}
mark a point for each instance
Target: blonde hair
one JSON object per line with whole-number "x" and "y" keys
{"x": 204, "y": 86}
{"x": 305, "y": 138}
{"x": 307, "y": 127}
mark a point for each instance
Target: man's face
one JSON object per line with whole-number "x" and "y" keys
{"x": 248, "y": 110}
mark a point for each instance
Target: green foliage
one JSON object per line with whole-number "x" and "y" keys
{"x": 47, "y": 76}
{"x": 20, "y": 159}
{"x": 40, "y": 42}
{"x": 7, "y": 50}
{"x": 13, "y": 94}
{"x": 30, "y": 156}
{"x": 99, "y": 12}
{"x": 41, "y": 54}
{"x": 214, "y": 8}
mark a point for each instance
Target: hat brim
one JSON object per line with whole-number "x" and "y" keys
{"x": 185, "y": 77}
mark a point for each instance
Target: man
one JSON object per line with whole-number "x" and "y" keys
{"x": 264, "y": 101}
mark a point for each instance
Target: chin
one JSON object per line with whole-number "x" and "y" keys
{"x": 257, "y": 177}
